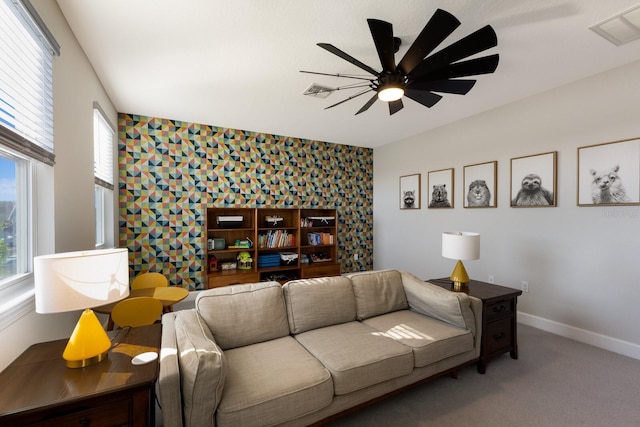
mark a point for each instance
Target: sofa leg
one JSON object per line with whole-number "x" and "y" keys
{"x": 454, "y": 374}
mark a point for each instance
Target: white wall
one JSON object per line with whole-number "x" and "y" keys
{"x": 582, "y": 263}
{"x": 70, "y": 211}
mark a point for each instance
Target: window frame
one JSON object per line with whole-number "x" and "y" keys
{"x": 103, "y": 133}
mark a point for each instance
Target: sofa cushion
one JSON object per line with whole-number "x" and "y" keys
{"x": 315, "y": 303}
{"x": 378, "y": 292}
{"x": 357, "y": 355}
{"x": 430, "y": 339}
{"x": 272, "y": 382}
{"x": 244, "y": 314}
{"x": 202, "y": 368}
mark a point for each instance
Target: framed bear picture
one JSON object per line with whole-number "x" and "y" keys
{"x": 609, "y": 173}
{"x": 410, "y": 191}
{"x": 480, "y": 185}
{"x": 533, "y": 181}
{"x": 440, "y": 186}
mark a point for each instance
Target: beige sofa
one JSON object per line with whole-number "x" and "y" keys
{"x": 263, "y": 354}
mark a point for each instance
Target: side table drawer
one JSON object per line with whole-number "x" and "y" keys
{"x": 498, "y": 335}
{"x": 113, "y": 414}
{"x": 499, "y": 309}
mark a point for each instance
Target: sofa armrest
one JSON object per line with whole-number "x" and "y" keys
{"x": 434, "y": 301}
{"x": 168, "y": 386}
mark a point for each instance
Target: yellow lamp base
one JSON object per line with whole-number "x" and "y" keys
{"x": 459, "y": 277}
{"x": 88, "y": 344}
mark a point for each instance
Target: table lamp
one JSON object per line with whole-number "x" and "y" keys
{"x": 79, "y": 281}
{"x": 460, "y": 245}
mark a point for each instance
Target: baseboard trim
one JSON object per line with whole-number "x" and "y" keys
{"x": 592, "y": 338}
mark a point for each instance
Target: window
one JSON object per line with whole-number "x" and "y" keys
{"x": 103, "y": 136}
{"x": 26, "y": 151}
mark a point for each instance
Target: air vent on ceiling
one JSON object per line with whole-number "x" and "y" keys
{"x": 622, "y": 28}
{"x": 318, "y": 91}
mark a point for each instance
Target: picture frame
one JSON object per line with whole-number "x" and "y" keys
{"x": 480, "y": 184}
{"x": 440, "y": 187}
{"x": 609, "y": 174}
{"x": 534, "y": 181}
{"x": 410, "y": 191}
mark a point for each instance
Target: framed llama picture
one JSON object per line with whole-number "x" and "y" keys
{"x": 609, "y": 173}
{"x": 410, "y": 191}
{"x": 533, "y": 180}
{"x": 440, "y": 186}
{"x": 480, "y": 185}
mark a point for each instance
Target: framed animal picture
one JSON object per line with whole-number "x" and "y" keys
{"x": 609, "y": 173}
{"x": 480, "y": 184}
{"x": 533, "y": 180}
{"x": 410, "y": 191}
{"x": 440, "y": 186}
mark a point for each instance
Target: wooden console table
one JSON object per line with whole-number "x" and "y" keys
{"x": 499, "y": 323}
{"x": 38, "y": 389}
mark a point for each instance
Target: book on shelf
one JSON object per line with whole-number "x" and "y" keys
{"x": 276, "y": 239}
{"x": 315, "y": 239}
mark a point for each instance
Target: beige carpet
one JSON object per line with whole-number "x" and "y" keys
{"x": 555, "y": 382}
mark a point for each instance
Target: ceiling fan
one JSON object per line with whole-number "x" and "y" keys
{"x": 419, "y": 76}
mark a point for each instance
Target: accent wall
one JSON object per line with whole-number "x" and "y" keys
{"x": 170, "y": 171}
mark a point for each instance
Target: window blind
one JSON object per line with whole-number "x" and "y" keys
{"x": 26, "y": 82}
{"x": 103, "y": 135}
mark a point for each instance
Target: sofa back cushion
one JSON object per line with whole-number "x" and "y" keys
{"x": 319, "y": 302}
{"x": 378, "y": 292}
{"x": 203, "y": 369}
{"x": 244, "y": 314}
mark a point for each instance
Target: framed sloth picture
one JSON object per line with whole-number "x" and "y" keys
{"x": 440, "y": 187}
{"x": 480, "y": 183}
{"x": 410, "y": 191}
{"x": 533, "y": 181}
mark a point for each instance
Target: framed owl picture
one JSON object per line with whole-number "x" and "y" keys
{"x": 480, "y": 184}
{"x": 440, "y": 188}
{"x": 533, "y": 181}
{"x": 410, "y": 191}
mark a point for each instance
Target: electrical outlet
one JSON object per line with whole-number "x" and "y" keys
{"x": 524, "y": 285}
{"x": 492, "y": 279}
{"x": 356, "y": 257}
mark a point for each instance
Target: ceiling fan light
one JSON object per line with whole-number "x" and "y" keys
{"x": 390, "y": 93}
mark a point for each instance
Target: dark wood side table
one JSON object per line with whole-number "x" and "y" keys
{"x": 39, "y": 390}
{"x": 499, "y": 323}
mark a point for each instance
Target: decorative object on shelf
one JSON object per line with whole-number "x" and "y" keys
{"x": 273, "y": 221}
{"x": 213, "y": 263}
{"x": 242, "y": 244}
{"x": 228, "y": 265}
{"x": 460, "y": 245}
{"x": 440, "y": 186}
{"x": 533, "y": 180}
{"x": 245, "y": 261}
{"x": 82, "y": 280}
{"x": 609, "y": 173}
{"x": 410, "y": 191}
{"x": 480, "y": 185}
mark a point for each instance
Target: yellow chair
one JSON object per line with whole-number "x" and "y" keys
{"x": 137, "y": 311}
{"x": 149, "y": 280}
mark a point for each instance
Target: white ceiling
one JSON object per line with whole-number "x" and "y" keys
{"x": 236, "y": 63}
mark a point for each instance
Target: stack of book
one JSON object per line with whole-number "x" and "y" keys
{"x": 320, "y": 238}
{"x": 276, "y": 239}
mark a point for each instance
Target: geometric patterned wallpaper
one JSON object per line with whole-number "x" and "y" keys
{"x": 170, "y": 171}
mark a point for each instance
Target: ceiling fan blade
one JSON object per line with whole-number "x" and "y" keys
{"x": 475, "y": 42}
{"x": 349, "y": 98}
{"x": 458, "y": 87}
{"x": 382, "y": 33}
{"x": 395, "y": 106}
{"x": 428, "y": 99}
{"x": 439, "y": 27}
{"x": 347, "y": 76}
{"x": 331, "y": 48}
{"x": 471, "y": 67}
{"x": 369, "y": 103}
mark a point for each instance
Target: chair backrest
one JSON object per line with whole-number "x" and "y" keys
{"x": 137, "y": 311}
{"x": 149, "y": 280}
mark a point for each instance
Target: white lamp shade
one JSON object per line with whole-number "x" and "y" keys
{"x": 79, "y": 280}
{"x": 461, "y": 245}
{"x": 390, "y": 93}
